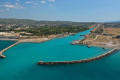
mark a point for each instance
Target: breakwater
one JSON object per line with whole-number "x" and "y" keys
{"x": 2, "y": 52}
{"x": 79, "y": 61}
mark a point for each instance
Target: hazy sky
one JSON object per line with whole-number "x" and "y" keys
{"x": 64, "y": 10}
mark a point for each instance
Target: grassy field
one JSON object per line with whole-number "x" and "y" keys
{"x": 114, "y": 31}
{"x": 99, "y": 39}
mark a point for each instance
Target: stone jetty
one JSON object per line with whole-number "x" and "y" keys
{"x": 79, "y": 61}
{"x": 2, "y": 52}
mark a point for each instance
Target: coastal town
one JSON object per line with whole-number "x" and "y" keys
{"x": 34, "y": 31}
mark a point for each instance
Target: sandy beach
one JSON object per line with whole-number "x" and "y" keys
{"x": 36, "y": 40}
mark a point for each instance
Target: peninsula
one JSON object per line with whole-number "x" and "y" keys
{"x": 102, "y": 36}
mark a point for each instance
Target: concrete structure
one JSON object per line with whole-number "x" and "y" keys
{"x": 79, "y": 61}
{"x": 75, "y": 42}
{"x": 1, "y": 52}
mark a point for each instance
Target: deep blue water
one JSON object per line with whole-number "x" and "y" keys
{"x": 21, "y": 60}
{"x": 5, "y": 44}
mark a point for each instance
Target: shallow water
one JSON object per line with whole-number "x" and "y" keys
{"x": 21, "y": 60}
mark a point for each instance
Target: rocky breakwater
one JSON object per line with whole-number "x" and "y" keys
{"x": 79, "y": 61}
{"x": 2, "y": 52}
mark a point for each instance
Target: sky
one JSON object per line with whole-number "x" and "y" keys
{"x": 61, "y": 10}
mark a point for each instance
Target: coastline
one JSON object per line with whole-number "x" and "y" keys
{"x": 32, "y": 40}
{"x": 37, "y": 40}
{"x": 105, "y": 39}
{"x": 98, "y": 43}
{"x": 40, "y": 40}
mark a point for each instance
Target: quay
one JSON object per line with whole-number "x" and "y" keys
{"x": 2, "y": 52}
{"x": 79, "y": 61}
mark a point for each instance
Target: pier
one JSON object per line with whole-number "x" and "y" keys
{"x": 2, "y": 52}
{"x": 79, "y": 61}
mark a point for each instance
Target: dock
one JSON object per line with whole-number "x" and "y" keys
{"x": 79, "y": 61}
{"x": 2, "y": 52}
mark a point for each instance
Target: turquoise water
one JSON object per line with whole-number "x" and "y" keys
{"x": 21, "y": 60}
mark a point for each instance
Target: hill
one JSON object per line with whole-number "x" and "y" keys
{"x": 34, "y": 23}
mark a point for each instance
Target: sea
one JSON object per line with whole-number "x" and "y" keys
{"x": 21, "y": 61}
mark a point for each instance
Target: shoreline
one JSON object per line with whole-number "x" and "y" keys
{"x": 102, "y": 39}
{"x": 37, "y": 40}
{"x": 40, "y": 40}
{"x": 102, "y": 45}
{"x": 8, "y": 39}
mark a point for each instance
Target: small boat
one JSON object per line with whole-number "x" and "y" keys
{"x": 89, "y": 46}
{"x": 103, "y": 48}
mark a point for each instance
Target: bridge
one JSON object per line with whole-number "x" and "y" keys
{"x": 79, "y": 61}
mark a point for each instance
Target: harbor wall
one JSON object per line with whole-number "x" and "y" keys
{"x": 79, "y": 61}
{"x": 2, "y": 52}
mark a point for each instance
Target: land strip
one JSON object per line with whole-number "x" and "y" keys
{"x": 102, "y": 37}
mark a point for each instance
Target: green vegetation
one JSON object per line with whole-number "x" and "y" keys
{"x": 42, "y": 28}
{"x": 98, "y": 30}
{"x": 22, "y": 23}
{"x": 44, "y": 31}
{"x": 112, "y": 25}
